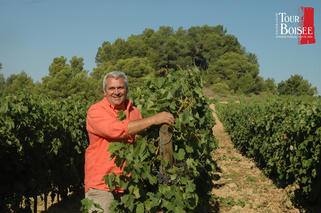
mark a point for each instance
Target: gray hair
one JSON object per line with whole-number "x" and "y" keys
{"x": 115, "y": 75}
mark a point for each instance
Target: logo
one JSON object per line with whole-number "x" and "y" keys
{"x": 299, "y": 26}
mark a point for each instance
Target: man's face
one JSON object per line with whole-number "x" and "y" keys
{"x": 115, "y": 91}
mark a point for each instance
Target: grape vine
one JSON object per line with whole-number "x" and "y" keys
{"x": 41, "y": 150}
{"x": 187, "y": 186}
{"x": 283, "y": 135}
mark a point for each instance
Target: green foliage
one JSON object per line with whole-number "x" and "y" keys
{"x": 169, "y": 49}
{"x": 297, "y": 86}
{"x": 240, "y": 75}
{"x": 16, "y": 83}
{"x": 270, "y": 86}
{"x": 221, "y": 88}
{"x": 283, "y": 135}
{"x": 229, "y": 201}
{"x": 42, "y": 146}
{"x": 2, "y": 82}
{"x": 67, "y": 80}
{"x": 219, "y": 55}
{"x": 121, "y": 115}
{"x": 88, "y": 205}
{"x": 179, "y": 93}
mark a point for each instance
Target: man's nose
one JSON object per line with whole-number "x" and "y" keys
{"x": 117, "y": 90}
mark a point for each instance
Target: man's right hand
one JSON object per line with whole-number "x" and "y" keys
{"x": 163, "y": 117}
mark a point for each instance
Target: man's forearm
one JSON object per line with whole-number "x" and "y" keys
{"x": 139, "y": 125}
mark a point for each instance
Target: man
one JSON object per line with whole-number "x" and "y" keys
{"x": 104, "y": 127}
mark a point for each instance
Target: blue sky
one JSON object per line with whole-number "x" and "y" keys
{"x": 34, "y": 32}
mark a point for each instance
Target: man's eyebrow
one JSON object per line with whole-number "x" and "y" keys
{"x": 112, "y": 87}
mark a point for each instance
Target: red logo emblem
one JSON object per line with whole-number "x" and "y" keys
{"x": 306, "y": 36}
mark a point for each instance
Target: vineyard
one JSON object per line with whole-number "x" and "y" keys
{"x": 42, "y": 146}
{"x": 43, "y": 143}
{"x": 283, "y": 136}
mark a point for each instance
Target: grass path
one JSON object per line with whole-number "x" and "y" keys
{"x": 239, "y": 185}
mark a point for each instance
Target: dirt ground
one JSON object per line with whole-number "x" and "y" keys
{"x": 70, "y": 205}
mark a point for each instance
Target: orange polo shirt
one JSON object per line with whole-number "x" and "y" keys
{"x": 103, "y": 128}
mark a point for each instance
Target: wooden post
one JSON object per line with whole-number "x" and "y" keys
{"x": 166, "y": 146}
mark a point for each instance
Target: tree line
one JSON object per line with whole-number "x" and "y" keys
{"x": 226, "y": 67}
